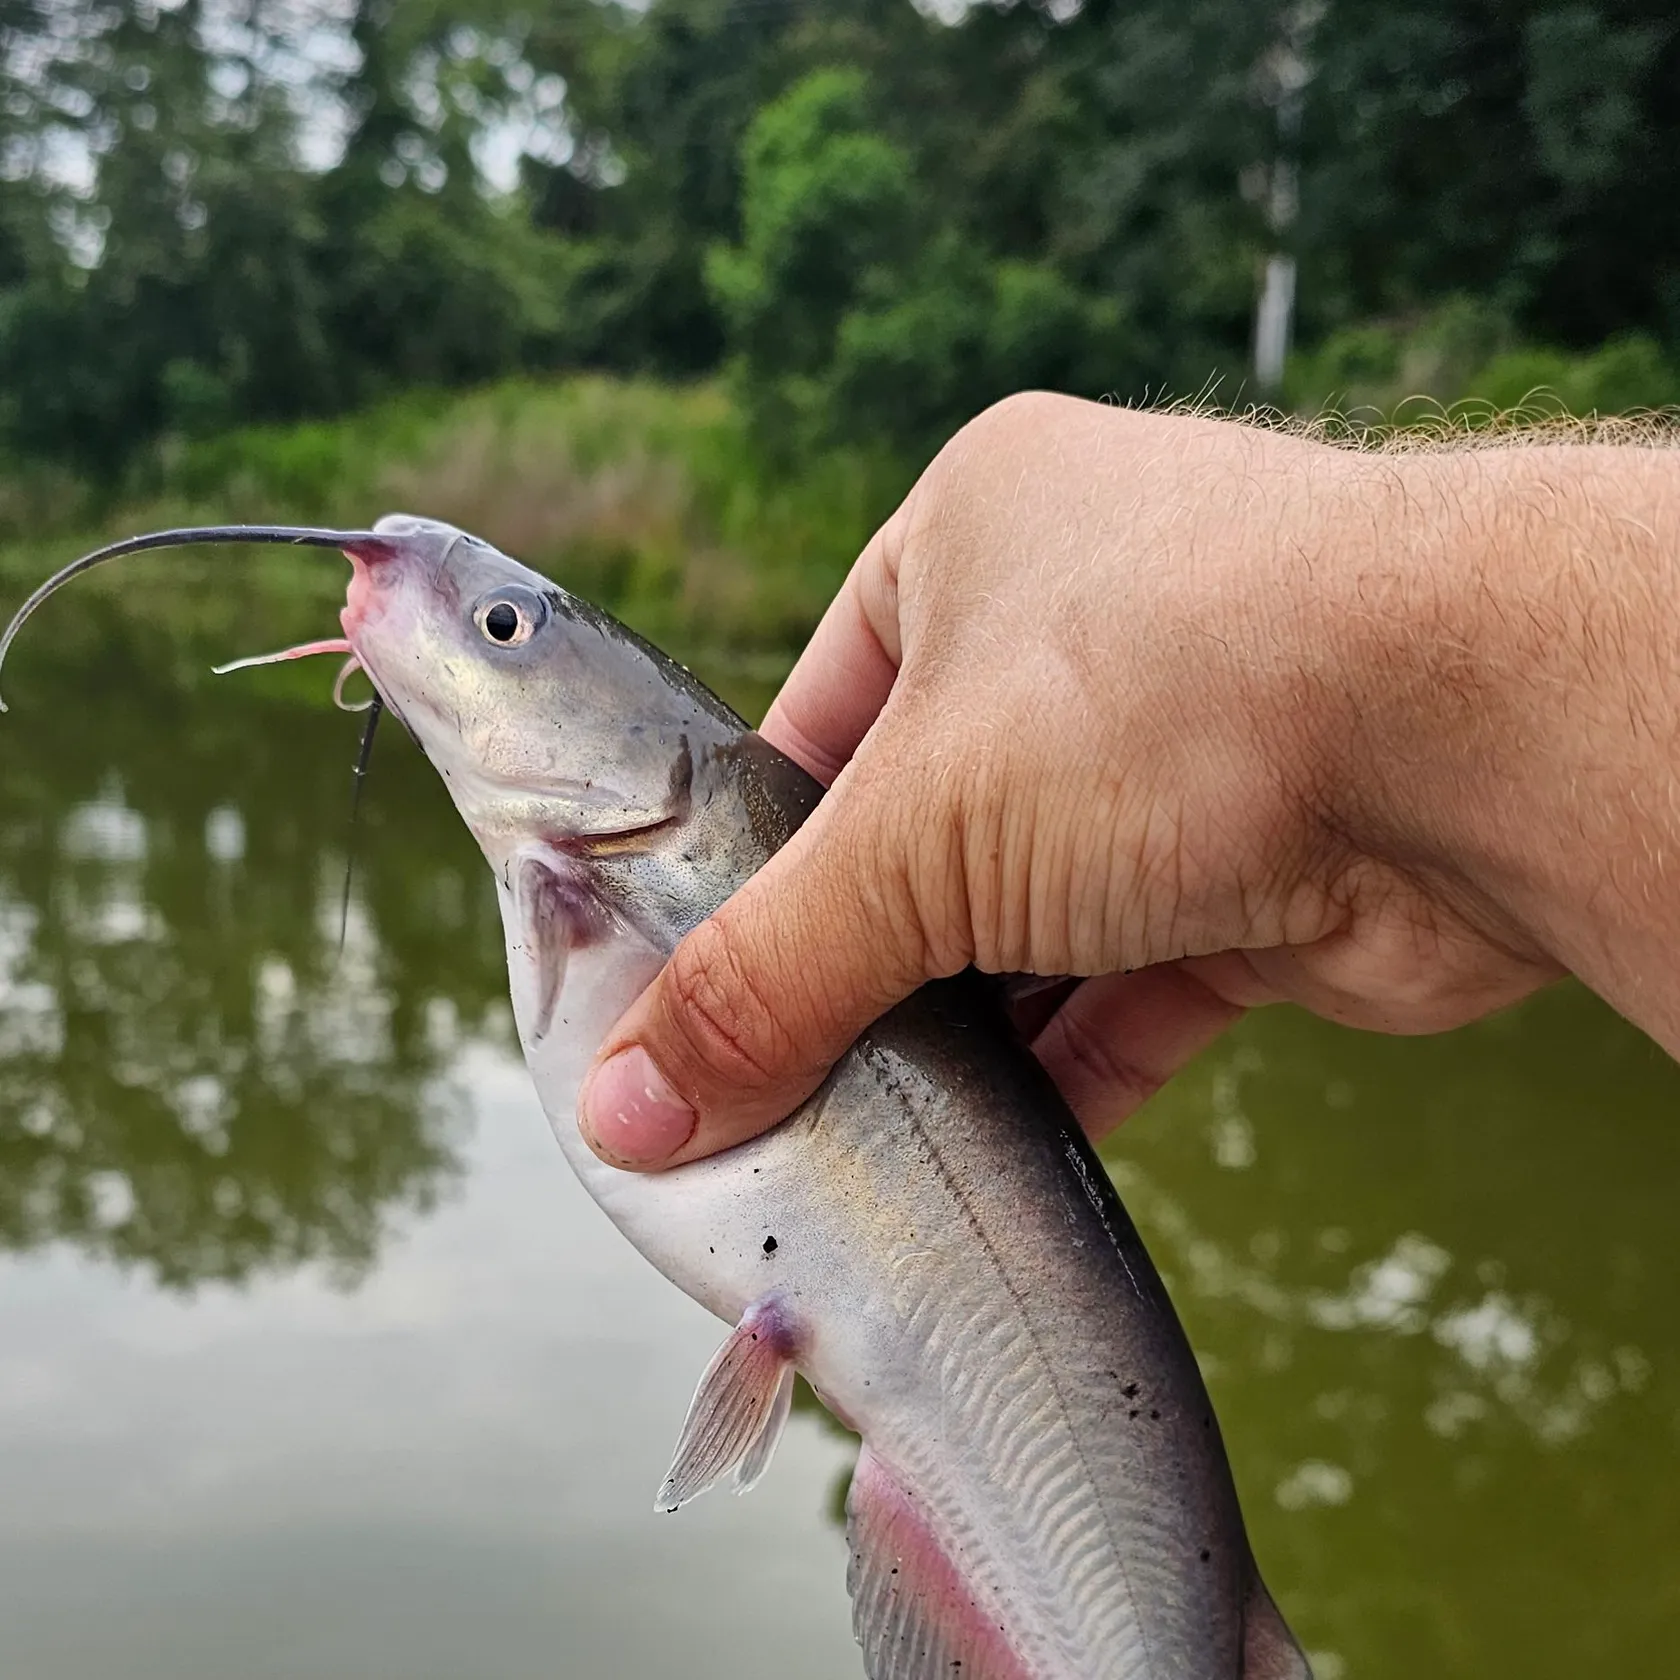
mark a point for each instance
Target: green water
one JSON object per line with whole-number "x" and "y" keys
{"x": 314, "y": 1362}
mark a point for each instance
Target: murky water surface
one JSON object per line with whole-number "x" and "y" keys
{"x": 314, "y": 1362}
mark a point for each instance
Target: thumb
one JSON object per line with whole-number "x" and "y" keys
{"x": 761, "y": 999}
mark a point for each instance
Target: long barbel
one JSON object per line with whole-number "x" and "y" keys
{"x": 302, "y": 536}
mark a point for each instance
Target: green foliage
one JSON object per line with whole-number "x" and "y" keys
{"x": 649, "y": 498}
{"x": 959, "y": 334}
{"x": 826, "y": 207}
{"x": 1467, "y": 359}
{"x": 1525, "y": 152}
{"x": 429, "y": 299}
{"x": 855, "y": 317}
{"x": 1625, "y": 376}
{"x": 876, "y": 221}
{"x": 233, "y": 283}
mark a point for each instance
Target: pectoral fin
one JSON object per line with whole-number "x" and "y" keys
{"x": 556, "y": 915}
{"x": 738, "y": 1411}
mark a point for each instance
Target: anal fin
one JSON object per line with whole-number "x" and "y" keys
{"x": 739, "y": 1410}
{"x": 913, "y": 1611}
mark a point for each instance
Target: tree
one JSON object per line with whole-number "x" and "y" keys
{"x": 1529, "y": 154}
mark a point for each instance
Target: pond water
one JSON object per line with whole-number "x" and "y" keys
{"x": 314, "y": 1361}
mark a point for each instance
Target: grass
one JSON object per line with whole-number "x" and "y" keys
{"x": 645, "y": 498}
{"x": 1461, "y": 368}
{"x": 653, "y": 500}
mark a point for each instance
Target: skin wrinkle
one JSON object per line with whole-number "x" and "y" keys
{"x": 805, "y": 749}
{"x": 1173, "y": 853}
{"x": 706, "y": 976}
{"x": 934, "y": 881}
{"x": 975, "y": 842}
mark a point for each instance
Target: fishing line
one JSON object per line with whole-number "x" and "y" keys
{"x": 374, "y": 708}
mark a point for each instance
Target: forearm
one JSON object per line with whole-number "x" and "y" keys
{"x": 1533, "y": 706}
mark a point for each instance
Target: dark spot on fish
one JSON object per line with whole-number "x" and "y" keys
{"x": 1154, "y": 1414}
{"x": 754, "y": 1335}
{"x": 711, "y": 1251}
{"x": 1206, "y": 1554}
{"x": 1207, "y": 1422}
{"x": 769, "y": 1245}
{"x": 757, "y": 1169}
{"x": 1130, "y": 1391}
{"x": 1133, "y": 1412}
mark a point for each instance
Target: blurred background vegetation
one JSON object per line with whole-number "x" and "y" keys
{"x": 672, "y": 300}
{"x": 722, "y": 274}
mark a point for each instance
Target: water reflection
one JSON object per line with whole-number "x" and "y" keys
{"x": 192, "y": 1079}
{"x": 1430, "y": 1281}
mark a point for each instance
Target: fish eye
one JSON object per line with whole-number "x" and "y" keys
{"x": 510, "y": 617}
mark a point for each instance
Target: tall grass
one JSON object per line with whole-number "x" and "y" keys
{"x": 654, "y": 501}
{"x": 646, "y": 498}
{"x": 1463, "y": 367}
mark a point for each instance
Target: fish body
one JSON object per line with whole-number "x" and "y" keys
{"x": 1042, "y": 1492}
{"x": 950, "y": 1268}
{"x": 963, "y": 1288}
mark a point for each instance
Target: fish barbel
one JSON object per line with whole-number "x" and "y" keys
{"x": 1042, "y": 1492}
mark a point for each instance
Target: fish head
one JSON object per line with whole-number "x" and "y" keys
{"x": 547, "y": 718}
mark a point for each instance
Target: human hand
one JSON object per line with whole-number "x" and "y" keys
{"x": 1208, "y": 715}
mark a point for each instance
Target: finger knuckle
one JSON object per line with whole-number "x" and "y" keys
{"x": 721, "y": 1016}
{"x": 1021, "y": 411}
{"x": 968, "y": 466}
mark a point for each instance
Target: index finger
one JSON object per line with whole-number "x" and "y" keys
{"x": 841, "y": 681}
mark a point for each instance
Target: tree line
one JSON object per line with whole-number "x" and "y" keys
{"x": 873, "y": 217}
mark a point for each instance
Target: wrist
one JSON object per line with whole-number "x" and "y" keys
{"x": 1517, "y": 627}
